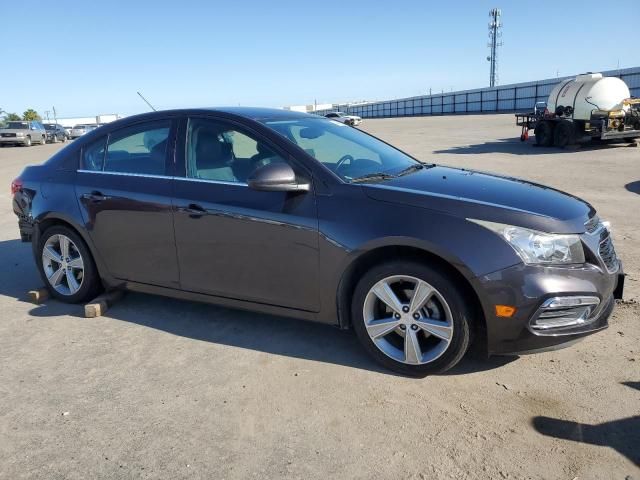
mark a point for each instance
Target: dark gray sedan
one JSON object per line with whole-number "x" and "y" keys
{"x": 292, "y": 214}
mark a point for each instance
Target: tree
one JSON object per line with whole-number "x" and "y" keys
{"x": 12, "y": 117}
{"x": 31, "y": 114}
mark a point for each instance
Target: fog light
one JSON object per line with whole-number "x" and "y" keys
{"x": 563, "y": 312}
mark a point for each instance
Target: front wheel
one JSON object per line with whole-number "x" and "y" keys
{"x": 27, "y": 142}
{"x": 66, "y": 265}
{"x": 412, "y": 318}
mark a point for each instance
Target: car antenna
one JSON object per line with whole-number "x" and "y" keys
{"x": 145, "y": 101}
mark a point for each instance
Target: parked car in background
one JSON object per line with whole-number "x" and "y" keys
{"x": 55, "y": 133}
{"x": 68, "y": 130}
{"x": 23, "y": 132}
{"x": 352, "y": 120}
{"x": 288, "y": 213}
{"x": 79, "y": 130}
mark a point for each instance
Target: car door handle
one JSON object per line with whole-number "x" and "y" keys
{"x": 194, "y": 210}
{"x": 95, "y": 197}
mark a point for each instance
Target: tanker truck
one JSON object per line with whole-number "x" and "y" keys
{"x": 585, "y": 108}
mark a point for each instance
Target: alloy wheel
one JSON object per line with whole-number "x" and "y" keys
{"x": 408, "y": 319}
{"x": 63, "y": 264}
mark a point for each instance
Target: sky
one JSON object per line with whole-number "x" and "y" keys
{"x": 92, "y": 57}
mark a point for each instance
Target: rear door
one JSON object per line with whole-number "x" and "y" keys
{"x": 124, "y": 191}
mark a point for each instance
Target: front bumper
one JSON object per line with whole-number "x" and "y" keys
{"x": 528, "y": 288}
{"x": 12, "y": 140}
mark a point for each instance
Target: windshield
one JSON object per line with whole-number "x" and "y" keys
{"x": 50, "y": 126}
{"x": 348, "y": 152}
{"x": 79, "y": 127}
{"x": 18, "y": 125}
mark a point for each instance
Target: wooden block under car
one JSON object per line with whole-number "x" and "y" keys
{"x": 99, "y": 305}
{"x": 38, "y": 296}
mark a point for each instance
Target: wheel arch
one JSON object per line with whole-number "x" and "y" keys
{"x": 49, "y": 220}
{"x": 380, "y": 254}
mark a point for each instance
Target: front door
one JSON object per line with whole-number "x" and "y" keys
{"x": 236, "y": 242}
{"x": 124, "y": 192}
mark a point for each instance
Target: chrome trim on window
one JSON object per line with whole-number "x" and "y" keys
{"x": 166, "y": 177}
{"x": 204, "y": 180}
{"x": 125, "y": 174}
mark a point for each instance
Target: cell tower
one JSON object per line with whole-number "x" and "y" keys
{"x": 495, "y": 34}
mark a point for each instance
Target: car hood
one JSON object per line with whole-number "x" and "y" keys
{"x": 485, "y": 196}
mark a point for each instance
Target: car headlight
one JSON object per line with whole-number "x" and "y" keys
{"x": 539, "y": 248}
{"x": 20, "y": 134}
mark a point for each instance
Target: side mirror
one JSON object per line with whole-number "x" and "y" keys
{"x": 276, "y": 177}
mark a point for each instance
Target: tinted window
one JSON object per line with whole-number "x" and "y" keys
{"x": 347, "y": 151}
{"x": 221, "y": 152}
{"x": 139, "y": 149}
{"x": 18, "y": 125}
{"x": 93, "y": 155}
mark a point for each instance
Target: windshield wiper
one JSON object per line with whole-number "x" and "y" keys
{"x": 410, "y": 169}
{"x": 372, "y": 176}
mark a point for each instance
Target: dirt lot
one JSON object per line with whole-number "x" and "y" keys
{"x": 161, "y": 388}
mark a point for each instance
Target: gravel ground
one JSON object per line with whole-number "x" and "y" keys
{"x": 161, "y": 388}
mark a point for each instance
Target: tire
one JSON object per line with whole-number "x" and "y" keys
{"x": 87, "y": 280}
{"x": 27, "y": 142}
{"x": 55, "y": 139}
{"x": 564, "y": 134}
{"x": 440, "y": 349}
{"x": 43, "y": 140}
{"x": 544, "y": 133}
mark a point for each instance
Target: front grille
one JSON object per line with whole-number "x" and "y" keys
{"x": 607, "y": 251}
{"x": 9, "y": 135}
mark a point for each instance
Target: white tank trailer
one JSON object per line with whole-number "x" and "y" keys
{"x": 585, "y": 108}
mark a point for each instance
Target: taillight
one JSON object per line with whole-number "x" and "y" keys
{"x": 16, "y": 186}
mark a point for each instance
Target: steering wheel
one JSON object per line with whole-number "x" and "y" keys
{"x": 342, "y": 160}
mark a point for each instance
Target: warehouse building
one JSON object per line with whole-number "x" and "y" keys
{"x": 499, "y": 99}
{"x": 69, "y": 122}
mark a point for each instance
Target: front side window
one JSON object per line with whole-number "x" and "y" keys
{"x": 140, "y": 149}
{"x": 349, "y": 152}
{"x": 220, "y": 152}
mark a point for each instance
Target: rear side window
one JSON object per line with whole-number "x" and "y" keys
{"x": 141, "y": 149}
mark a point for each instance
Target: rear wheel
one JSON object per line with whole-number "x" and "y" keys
{"x": 544, "y": 133}
{"x": 55, "y": 139}
{"x": 411, "y": 318}
{"x": 564, "y": 134}
{"x": 43, "y": 140}
{"x": 66, "y": 265}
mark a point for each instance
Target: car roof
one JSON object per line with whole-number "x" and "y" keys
{"x": 252, "y": 113}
